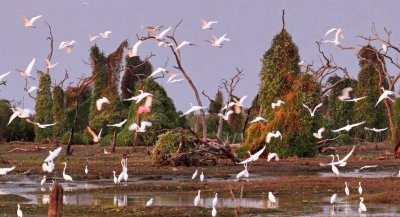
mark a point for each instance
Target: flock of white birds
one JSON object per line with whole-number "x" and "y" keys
{"x": 231, "y": 108}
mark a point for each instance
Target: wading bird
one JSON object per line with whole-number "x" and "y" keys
{"x": 197, "y": 199}
{"x": 194, "y": 174}
{"x": 271, "y": 197}
{"x": 150, "y": 202}
{"x": 334, "y": 168}
{"x": 215, "y": 200}
{"x": 346, "y": 189}
{"x": 360, "y": 189}
{"x": 86, "y": 170}
{"x": 272, "y": 156}
{"x": 19, "y": 211}
{"x": 65, "y": 176}
{"x": 201, "y": 177}
{"x": 253, "y": 157}
{"x": 362, "y": 207}
{"x": 333, "y": 198}
{"x": 4, "y": 171}
{"x": 43, "y": 180}
{"x": 244, "y": 172}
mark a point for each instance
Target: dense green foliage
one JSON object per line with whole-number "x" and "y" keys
{"x": 59, "y": 113}
{"x": 166, "y": 145}
{"x": 43, "y": 108}
{"x": 84, "y": 108}
{"x": 163, "y": 115}
{"x": 281, "y": 79}
{"x": 19, "y": 129}
{"x": 368, "y": 85}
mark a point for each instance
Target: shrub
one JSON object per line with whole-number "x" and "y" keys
{"x": 78, "y": 139}
{"x": 166, "y": 145}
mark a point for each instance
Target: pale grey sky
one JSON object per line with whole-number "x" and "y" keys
{"x": 249, "y": 24}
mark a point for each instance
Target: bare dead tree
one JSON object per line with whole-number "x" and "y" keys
{"x": 51, "y": 39}
{"x": 171, "y": 39}
{"x": 82, "y": 84}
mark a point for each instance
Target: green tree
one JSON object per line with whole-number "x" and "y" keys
{"x": 216, "y": 104}
{"x": 19, "y": 129}
{"x": 43, "y": 108}
{"x": 163, "y": 115}
{"x": 281, "y": 79}
{"x": 369, "y": 83}
{"x": 59, "y": 112}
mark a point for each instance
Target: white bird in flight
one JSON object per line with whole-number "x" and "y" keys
{"x": 21, "y": 113}
{"x": 31, "y": 89}
{"x": 385, "y": 95}
{"x": 67, "y": 45}
{"x": 43, "y": 126}
{"x": 312, "y": 112}
{"x": 96, "y": 137}
{"x": 157, "y": 71}
{"x": 226, "y": 115}
{"x": 100, "y": 102}
{"x": 105, "y": 34}
{"x": 48, "y": 166}
{"x": 334, "y": 168}
{"x": 4, "y": 75}
{"x": 244, "y": 172}
{"x": 318, "y": 135}
{"x": 253, "y": 157}
{"x": 278, "y": 103}
{"x": 217, "y": 42}
{"x": 28, "y": 70}
{"x": 258, "y": 119}
{"x": 366, "y": 167}
{"x": 338, "y": 35}
{"x": 142, "y": 127}
{"x": 375, "y": 130}
{"x": 184, "y": 43}
{"x": 133, "y": 52}
{"x": 29, "y": 22}
{"x": 348, "y": 127}
{"x": 171, "y": 77}
{"x": 273, "y": 134}
{"x": 238, "y": 104}
{"x": 152, "y": 30}
{"x": 343, "y": 161}
{"x": 93, "y": 37}
{"x": 162, "y": 34}
{"x": 53, "y": 154}
{"x": 207, "y": 24}
{"x": 355, "y": 99}
{"x": 119, "y": 125}
{"x": 345, "y": 94}
{"x": 4, "y": 171}
{"x": 139, "y": 97}
{"x": 272, "y": 156}
{"x": 49, "y": 65}
{"x": 192, "y": 109}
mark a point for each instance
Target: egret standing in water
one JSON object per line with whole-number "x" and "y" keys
{"x": 43, "y": 180}
{"x": 271, "y": 197}
{"x": 150, "y": 202}
{"x": 201, "y": 177}
{"x": 86, "y": 170}
{"x": 65, "y": 176}
{"x": 19, "y": 211}
{"x": 360, "y": 190}
{"x": 346, "y": 189}
{"x": 197, "y": 199}
{"x": 334, "y": 168}
{"x": 194, "y": 174}
{"x": 362, "y": 207}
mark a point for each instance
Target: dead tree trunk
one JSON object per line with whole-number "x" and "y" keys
{"x": 114, "y": 141}
{"x": 71, "y": 135}
{"x": 219, "y": 129}
{"x": 56, "y": 201}
{"x": 135, "y": 135}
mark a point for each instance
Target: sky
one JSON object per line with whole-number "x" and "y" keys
{"x": 250, "y": 25}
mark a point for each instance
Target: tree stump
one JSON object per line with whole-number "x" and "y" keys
{"x": 56, "y": 201}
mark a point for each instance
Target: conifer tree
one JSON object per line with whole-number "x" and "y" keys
{"x": 59, "y": 112}
{"x": 43, "y": 108}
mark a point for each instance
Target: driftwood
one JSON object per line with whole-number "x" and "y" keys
{"x": 36, "y": 148}
{"x": 56, "y": 201}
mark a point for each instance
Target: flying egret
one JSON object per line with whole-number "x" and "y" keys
{"x": 49, "y": 65}
{"x": 86, "y": 170}
{"x": 346, "y": 189}
{"x": 278, "y": 103}
{"x": 142, "y": 127}
{"x": 273, "y": 134}
{"x": 202, "y": 177}
{"x": 258, "y": 119}
{"x": 48, "y": 166}
{"x": 217, "y": 42}
{"x": 375, "y": 130}
{"x": 272, "y": 156}
{"x": 244, "y": 172}
{"x": 207, "y": 24}
{"x": 53, "y": 154}
{"x": 197, "y": 199}
{"x": 238, "y": 104}
{"x": 19, "y": 211}
{"x": 139, "y": 97}
{"x": 42, "y": 126}
{"x": 343, "y": 161}
{"x": 226, "y": 115}
{"x": 360, "y": 189}
{"x": 160, "y": 36}
{"x": 67, "y": 45}
{"x": 194, "y": 174}
{"x": 100, "y": 102}
{"x": 96, "y": 138}
{"x": 43, "y": 180}
{"x": 345, "y": 94}
{"x": 152, "y": 30}
{"x": 65, "y": 176}
{"x": 215, "y": 200}
{"x": 29, "y": 22}
{"x": 271, "y": 197}
{"x": 338, "y": 35}
{"x": 28, "y": 70}
{"x": 31, "y": 89}
{"x": 183, "y": 43}
{"x": 333, "y": 198}
{"x": 150, "y": 202}
{"x": 93, "y": 37}
{"x": 4, "y": 171}
{"x": 365, "y": 167}
{"x": 157, "y": 71}
{"x": 21, "y": 113}
{"x": 119, "y": 125}
{"x": 192, "y": 109}
{"x": 254, "y": 157}
{"x": 334, "y": 168}
{"x": 348, "y": 127}
{"x": 362, "y": 207}
{"x": 4, "y": 75}
{"x": 385, "y": 95}
{"x": 133, "y": 52}
{"x": 105, "y": 34}
{"x": 355, "y": 99}
{"x": 115, "y": 178}
{"x": 230, "y": 104}
{"x": 318, "y": 135}
{"x": 312, "y": 112}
